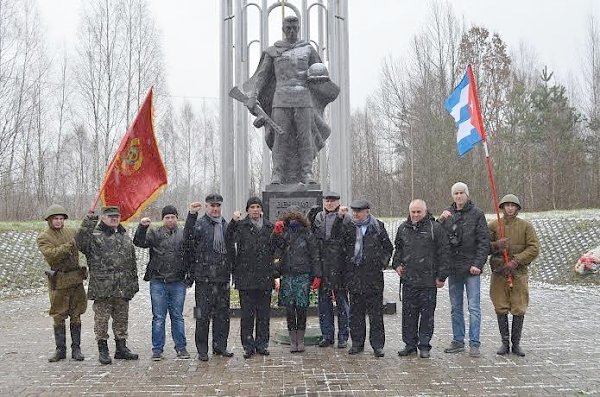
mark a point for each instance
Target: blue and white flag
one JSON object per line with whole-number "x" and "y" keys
{"x": 463, "y": 106}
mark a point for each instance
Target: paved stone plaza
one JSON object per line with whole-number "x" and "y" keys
{"x": 561, "y": 339}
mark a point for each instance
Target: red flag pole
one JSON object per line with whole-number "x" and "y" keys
{"x": 488, "y": 163}
{"x": 111, "y": 166}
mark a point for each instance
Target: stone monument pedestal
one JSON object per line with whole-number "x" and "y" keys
{"x": 276, "y": 198}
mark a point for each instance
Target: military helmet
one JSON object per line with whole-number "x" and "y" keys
{"x": 510, "y": 198}
{"x": 55, "y": 209}
{"x": 318, "y": 71}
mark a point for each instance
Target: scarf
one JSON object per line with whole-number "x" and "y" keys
{"x": 358, "y": 246}
{"x": 218, "y": 240}
{"x": 329, "y": 219}
{"x": 258, "y": 224}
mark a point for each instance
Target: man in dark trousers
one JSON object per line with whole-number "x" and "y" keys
{"x": 211, "y": 271}
{"x": 421, "y": 261}
{"x": 370, "y": 250}
{"x": 248, "y": 241}
{"x": 329, "y": 226}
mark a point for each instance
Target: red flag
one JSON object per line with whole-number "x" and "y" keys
{"x": 136, "y": 175}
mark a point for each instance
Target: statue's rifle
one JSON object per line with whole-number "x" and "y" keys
{"x": 262, "y": 116}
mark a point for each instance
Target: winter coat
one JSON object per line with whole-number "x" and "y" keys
{"x": 332, "y": 250}
{"x": 206, "y": 265}
{"x": 111, "y": 260}
{"x": 422, "y": 249}
{"x": 252, "y": 254}
{"x": 523, "y": 244}
{"x": 166, "y": 252}
{"x": 296, "y": 248}
{"x": 377, "y": 251}
{"x": 468, "y": 237}
{"x": 59, "y": 250}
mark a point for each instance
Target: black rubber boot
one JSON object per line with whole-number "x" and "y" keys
{"x": 103, "y": 354}
{"x": 504, "y": 334}
{"x": 61, "y": 344}
{"x": 517, "y": 329}
{"x": 123, "y": 352}
{"x": 76, "y": 342}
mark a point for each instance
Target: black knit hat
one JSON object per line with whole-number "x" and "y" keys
{"x": 253, "y": 200}
{"x": 169, "y": 210}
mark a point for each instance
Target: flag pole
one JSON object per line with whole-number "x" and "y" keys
{"x": 488, "y": 163}
{"x": 111, "y": 166}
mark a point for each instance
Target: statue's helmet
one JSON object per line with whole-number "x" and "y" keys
{"x": 318, "y": 71}
{"x": 510, "y": 198}
{"x": 55, "y": 209}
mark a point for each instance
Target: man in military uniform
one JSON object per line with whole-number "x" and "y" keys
{"x": 67, "y": 295}
{"x": 211, "y": 271}
{"x": 522, "y": 246}
{"x": 294, "y": 94}
{"x": 370, "y": 250}
{"x": 113, "y": 278}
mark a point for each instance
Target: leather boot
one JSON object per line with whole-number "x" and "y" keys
{"x": 123, "y": 352}
{"x": 504, "y": 334}
{"x": 517, "y": 329}
{"x": 293, "y": 341}
{"x": 300, "y": 340}
{"x": 61, "y": 344}
{"x": 103, "y": 354}
{"x": 76, "y": 342}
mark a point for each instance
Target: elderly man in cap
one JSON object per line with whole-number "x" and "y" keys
{"x": 67, "y": 295}
{"x": 113, "y": 278}
{"x": 522, "y": 247}
{"x": 330, "y": 227}
{"x": 248, "y": 241}
{"x": 469, "y": 245}
{"x": 368, "y": 253}
{"x": 166, "y": 272}
{"x": 211, "y": 270}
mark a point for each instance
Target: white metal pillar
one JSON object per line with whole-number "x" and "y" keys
{"x": 226, "y": 106}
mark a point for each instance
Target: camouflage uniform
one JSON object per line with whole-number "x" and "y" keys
{"x": 66, "y": 292}
{"x": 113, "y": 277}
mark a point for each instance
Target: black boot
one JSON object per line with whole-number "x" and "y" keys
{"x": 517, "y": 329}
{"x": 503, "y": 326}
{"x": 61, "y": 344}
{"x": 103, "y": 354}
{"x": 76, "y": 342}
{"x": 123, "y": 352}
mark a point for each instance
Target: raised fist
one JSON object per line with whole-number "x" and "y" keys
{"x": 195, "y": 207}
{"x": 236, "y": 216}
{"x": 145, "y": 221}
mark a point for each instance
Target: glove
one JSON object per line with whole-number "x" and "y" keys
{"x": 278, "y": 227}
{"x": 502, "y": 244}
{"x": 316, "y": 283}
{"x": 510, "y": 267}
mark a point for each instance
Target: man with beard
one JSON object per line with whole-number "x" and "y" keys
{"x": 67, "y": 295}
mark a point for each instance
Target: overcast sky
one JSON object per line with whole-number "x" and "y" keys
{"x": 556, "y": 29}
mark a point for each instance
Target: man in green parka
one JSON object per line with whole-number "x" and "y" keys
{"x": 522, "y": 247}
{"x": 67, "y": 295}
{"x": 113, "y": 278}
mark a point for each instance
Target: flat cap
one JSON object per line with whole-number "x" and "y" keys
{"x": 332, "y": 194}
{"x": 360, "y": 204}
{"x": 111, "y": 210}
{"x": 214, "y": 198}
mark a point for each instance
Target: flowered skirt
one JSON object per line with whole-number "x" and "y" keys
{"x": 294, "y": 290}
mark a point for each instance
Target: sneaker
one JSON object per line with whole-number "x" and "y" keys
{"x": 325, "y": 342}
{"x": 455, "y": 348}
{"x": 407, "y": 351}
{"x": 157, "y": 356}
{"x": 474, "y": 351}
{"x": 424, "y": 354}
{"x": 183, "y": 354}
{"x": 342, "y": 344}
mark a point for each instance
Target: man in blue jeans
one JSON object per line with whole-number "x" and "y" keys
{"x": 469, "y": 246}
{"x": 328, "y": 227}
{"x": 166, "y": 272}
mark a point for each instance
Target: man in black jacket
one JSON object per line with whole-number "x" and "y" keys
{"x": 166, "y": 272}
{"x": 421, "y": 261}
{"x": 248, "y": 241}
{"x": 211, "y": 271}
{"x": 469, "y": 240}
{"x": 369, "y": 251}
{"x": 328, "y": 227}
